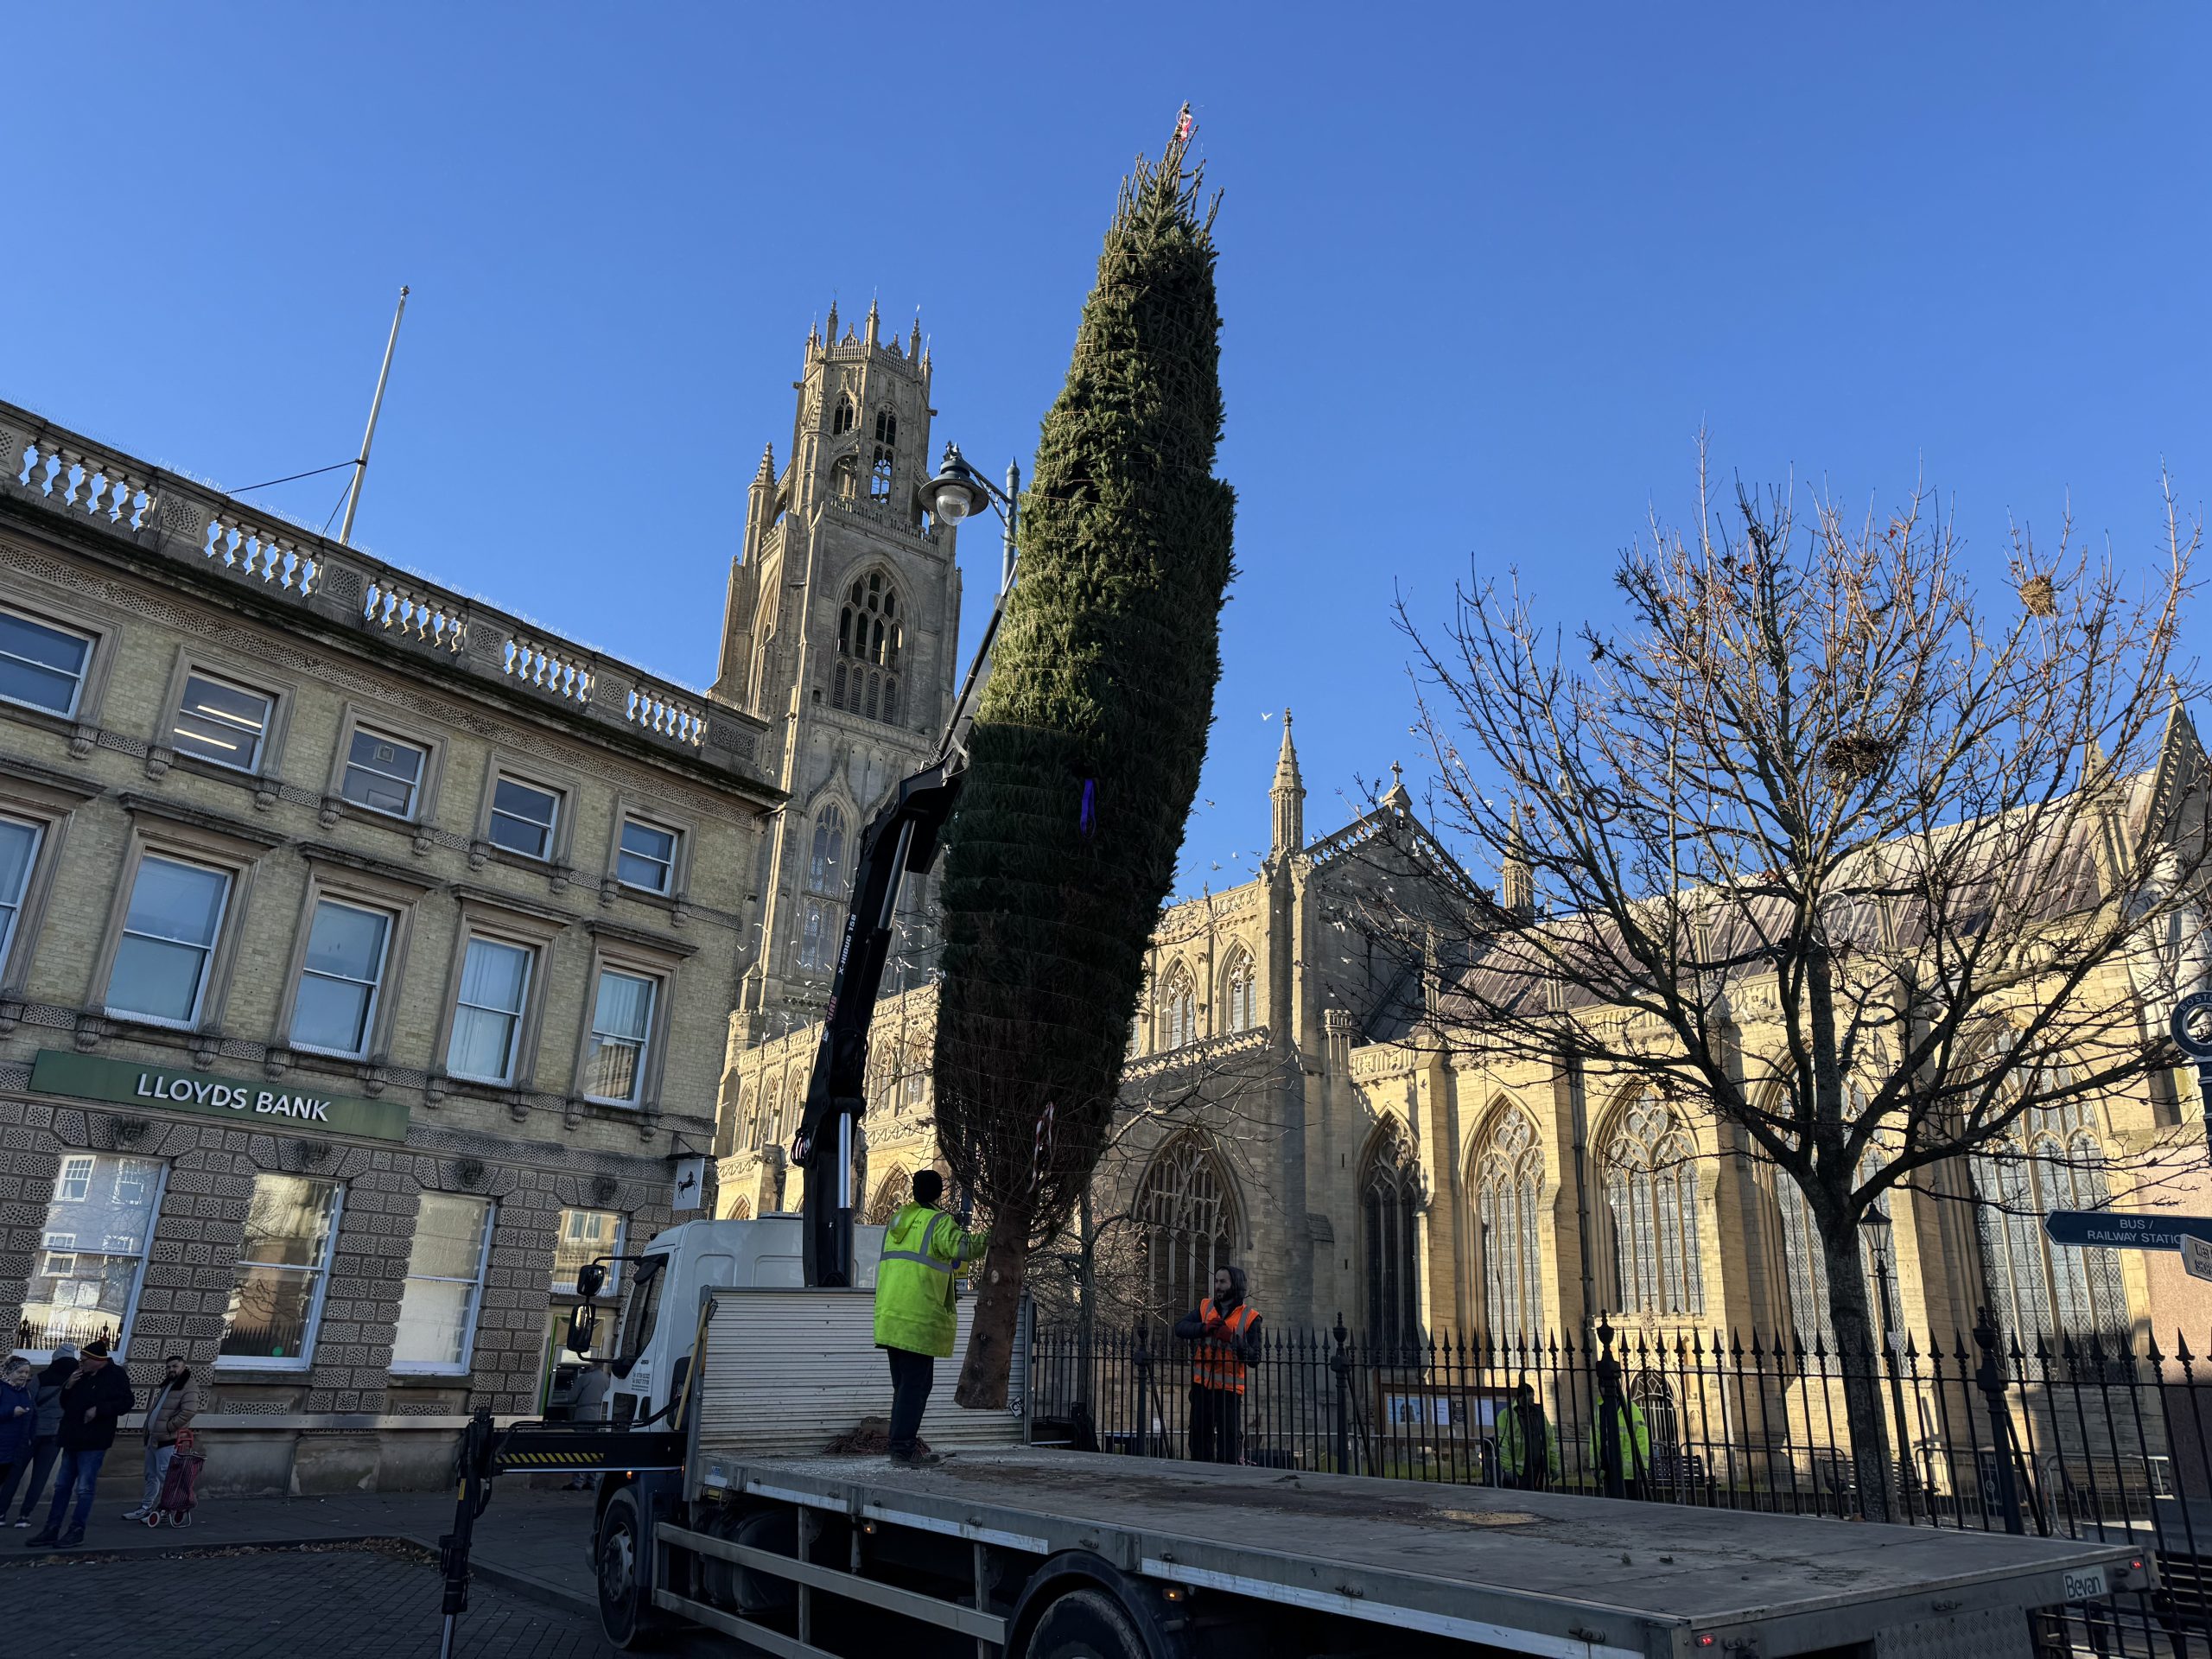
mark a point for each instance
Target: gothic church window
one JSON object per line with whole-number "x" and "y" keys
{"x": 1389, "y": 1199}
{"x": 886, "y": 442}
{"x": 825, "y": 866}
{"x": 2037, "y": 1292}
{"x": 842, "y": 419}
{"x": 1238, "y": 1005}
{"x": 890, "y": 1195}
{"x": 1187, "y": 1218}
{"x": 1178, "y": 1010}
{"x": 1651, "y": 1195}
{"x": 865, "y": 677}
{"x": 1509, "y": 1180}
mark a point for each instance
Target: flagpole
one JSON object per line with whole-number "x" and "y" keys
{"x": 376, "y": 403}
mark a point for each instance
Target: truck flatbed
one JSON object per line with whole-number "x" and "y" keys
{"x": 1576, "y": 1577}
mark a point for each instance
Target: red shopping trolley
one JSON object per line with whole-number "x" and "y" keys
{"x": 180, "y": 1486}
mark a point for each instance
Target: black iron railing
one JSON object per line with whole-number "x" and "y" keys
{"x": 2093, "y": 1436}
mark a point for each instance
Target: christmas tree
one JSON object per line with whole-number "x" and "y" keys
{"x": 1085, "y": 752}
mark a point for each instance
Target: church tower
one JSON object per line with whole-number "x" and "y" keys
{"x": 842, "y": 630}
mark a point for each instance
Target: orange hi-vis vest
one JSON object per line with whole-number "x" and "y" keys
{"x": 1218, "y": 1366}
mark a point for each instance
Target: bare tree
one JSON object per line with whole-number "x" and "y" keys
{"x": 1943, "y": 845}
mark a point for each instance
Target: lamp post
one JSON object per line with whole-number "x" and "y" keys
{"x": 960, "y": 491}
{"x": 1881, "y": 1239}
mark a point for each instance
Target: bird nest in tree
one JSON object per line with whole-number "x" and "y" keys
{"x": 2040, "y": 595}
{"x": 1855, "y": 759}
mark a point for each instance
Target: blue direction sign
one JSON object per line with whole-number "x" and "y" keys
{"x": 2105, "y": 1230}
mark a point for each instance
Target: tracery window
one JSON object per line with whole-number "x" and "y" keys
{"x": 1239, "y": 1005}
{"x": 1178, "y": 1010}
{"x": 865, "y": 679}
{"x": 2035, "y": 1290}
{"x": 1186, "y": 1213}
{"x": 825, "y": 865}
{"x": 1389, "y": 1201}
{"x": 1508, "y": 1182}
{"x": 887, "y": 443}
{"x": 843, "y": 417}
{"x": 817, "y": 931}
{"x": 1805, "y": 1267}
{"x": 1651, "y": 1193}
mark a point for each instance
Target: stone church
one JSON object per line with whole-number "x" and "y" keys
{"x": 1286, "y": 1108}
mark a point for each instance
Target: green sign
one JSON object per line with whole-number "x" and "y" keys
{"x": 89, "y": 1076}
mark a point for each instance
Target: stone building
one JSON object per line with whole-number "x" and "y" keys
{"x": 1294, "y": 1105}
{"x": 365, "y": 956}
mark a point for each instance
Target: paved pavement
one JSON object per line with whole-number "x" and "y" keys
{"x": 331, "y": 1601}
{"x": 335, "y": 1577}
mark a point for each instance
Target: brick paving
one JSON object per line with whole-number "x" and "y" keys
{"x": 330, "y": 1602}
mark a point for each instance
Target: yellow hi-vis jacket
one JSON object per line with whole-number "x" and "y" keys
{"x": 914, "y": 1284}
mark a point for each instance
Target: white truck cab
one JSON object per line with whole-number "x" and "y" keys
{"x": 648, "y": 1346}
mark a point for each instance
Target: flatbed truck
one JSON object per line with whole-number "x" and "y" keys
{"x": 718, "y": 1510}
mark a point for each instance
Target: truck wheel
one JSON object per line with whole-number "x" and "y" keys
{"x": 623, "y": 1566}
{"x": 1085, "y": 1624}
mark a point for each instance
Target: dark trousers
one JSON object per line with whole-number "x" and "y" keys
{"x": 35, "y": 1464}
{"x": 1216, "y": 1425}
{"x": 912, "y": 1376}
{"x": 79, "y": 1472}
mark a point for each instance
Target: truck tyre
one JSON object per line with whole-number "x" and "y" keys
{"x": 622, "y": 1565}
{"x": 1085, "y": 1624}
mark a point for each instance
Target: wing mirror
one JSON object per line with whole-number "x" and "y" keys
{"x": 583, "y": 1326}
{"x": 591, "y": 1279}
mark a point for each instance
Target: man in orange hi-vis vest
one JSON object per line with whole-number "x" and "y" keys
{"x": 1227, "y": 1332}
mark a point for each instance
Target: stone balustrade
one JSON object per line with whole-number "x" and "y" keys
{"x": 163, "y": 516}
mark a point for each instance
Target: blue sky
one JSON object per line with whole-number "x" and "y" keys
{"x": 1486, "y": 271}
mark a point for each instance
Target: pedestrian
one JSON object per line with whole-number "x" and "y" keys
{"x": 916, "y": 1286}
{"x": 174, "y": 1403}
{"x": 95, "y": 1397}
{"x": 18, "y": 1420}
{"x": 46, "y": 1392}
{"x": 1632, "y": 1445}
{"x": 1527, "y": 1451}
{"x": 1227, "y": 1332}
{"x": 588, "y": 1404}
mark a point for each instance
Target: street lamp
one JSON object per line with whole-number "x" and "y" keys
{"x": 960, "y": 491}
{"x": 1881, "y": 1238}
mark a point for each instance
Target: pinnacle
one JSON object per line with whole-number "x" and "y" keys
{"x": 767, "y": 472}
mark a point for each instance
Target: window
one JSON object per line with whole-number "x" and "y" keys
{"x": 522, "y": 818}
{"x": 1509, "y": 1181}
{"x": 339, "y": 978}
{"x": 487, "y": 1015}
{"x": 1651, "y": 1194}
{"x": 621, "y": 1023}
{"x": 445, "y": 1282}
{"x": 1178, "y": 1010}
{"x": 815, "y": 931}
{"x": 865, "y": 677}
{"x": 221, "y": 723}
{"x": 843, "y": 417}
{"x": 41, "y": 666}
{"x": 841, "y": 476}
{"x": 18, "y": 852}
{"x": 825, "y": 867}
{"x": 1389, "y": 1201}
{"x": 384, "y": 773}
{"x": 277, "y": 1299}
{"x": 1239, "y": 1008}
{"x": 891, "y": 1193}
{"x": 879, "y": 476}
{"x": 169, "y": 938}
{"x": 647, "y": 857}
{"x": 585, "y": 1235}
{"x": 886, "y": 426}
{"x": 78, "y": 1292}
{"x": 2038, "y": 1291}
{"x": 1188, "y": 1226}
{"x": 76, "y": 1180}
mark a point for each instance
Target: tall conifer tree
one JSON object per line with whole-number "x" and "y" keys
{"x": 1086, "y": 749}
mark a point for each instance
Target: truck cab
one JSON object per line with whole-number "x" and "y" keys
{"x": 649, "y": 1346}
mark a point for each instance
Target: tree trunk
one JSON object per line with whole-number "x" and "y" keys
{"x": 1857, "y": 1357}
{"x": 998, "y": 1317}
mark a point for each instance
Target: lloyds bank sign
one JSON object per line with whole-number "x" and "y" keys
{"x": 124, "y": 1083}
